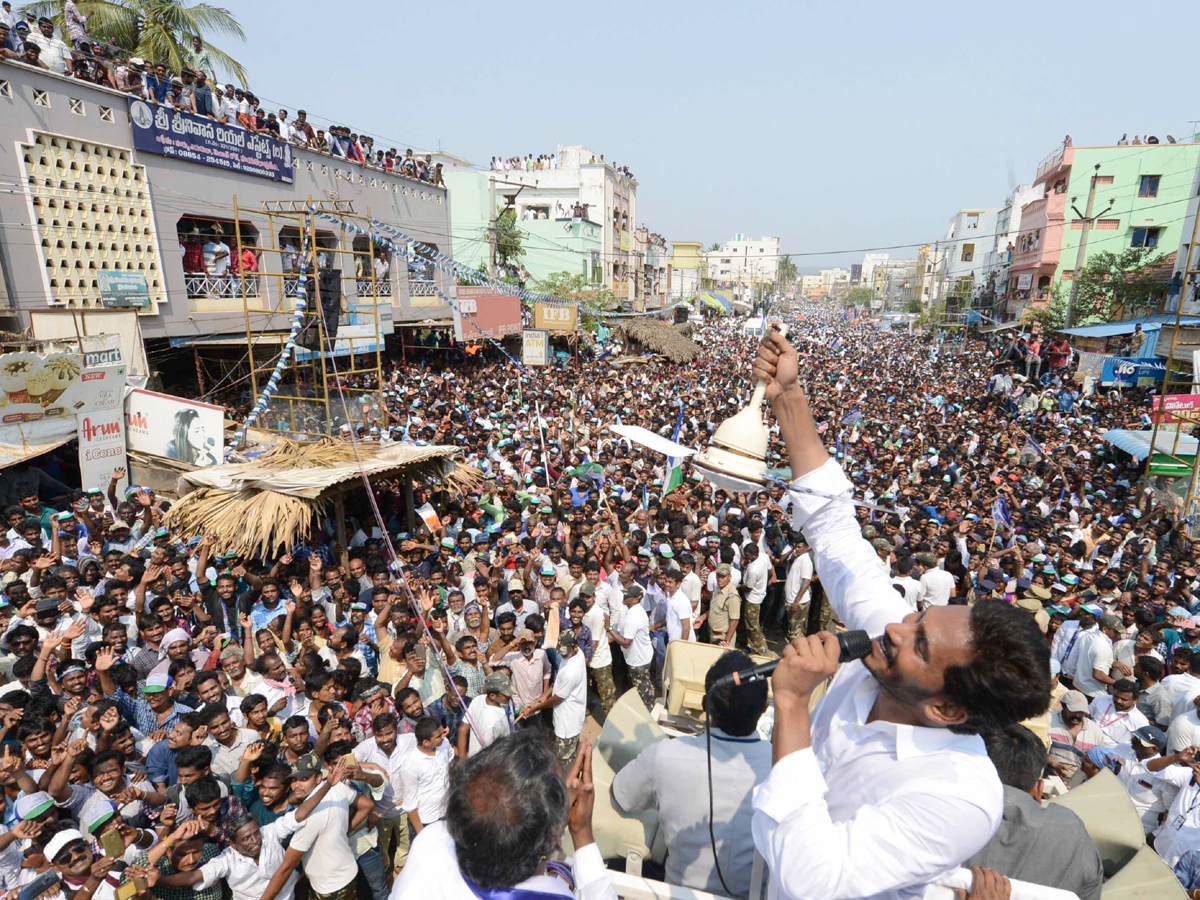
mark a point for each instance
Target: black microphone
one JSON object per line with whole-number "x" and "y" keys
{"x": 853, "y": 645}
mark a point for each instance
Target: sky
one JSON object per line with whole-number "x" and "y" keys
{"x": 839, "y": 126}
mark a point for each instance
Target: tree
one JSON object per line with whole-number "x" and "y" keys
{"x": 785, "y": 272}
{"x": 714, "y": 246}
{"x": 508, "y": 240}
{"x": 859, "y": 296}
{"x": 159, "y": 31}
{"x": 1127, "y": 279}
{"x": 1053, "y": 316}
{"x": 913, "y": 305}
{"x": 592, "y": 298}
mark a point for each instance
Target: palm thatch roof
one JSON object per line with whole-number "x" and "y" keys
{"x": 658, "y": 337}
{"x": 270, "y": 504}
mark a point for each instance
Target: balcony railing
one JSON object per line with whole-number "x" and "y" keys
{"x": 421, "y": 288}
{"x": 365, "y": 286}
{"x": 228, "y": 285}
{"x": 1052, "y": 161}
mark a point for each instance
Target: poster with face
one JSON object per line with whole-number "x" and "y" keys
{"x": 186, "y": 430}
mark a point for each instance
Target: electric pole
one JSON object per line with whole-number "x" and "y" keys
{"x": 1087, "y": 220}
{"x": 492, "y": 236}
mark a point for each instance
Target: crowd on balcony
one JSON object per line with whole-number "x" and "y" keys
{"x": 527, "y": 163}
{"x": 196, "y": 89}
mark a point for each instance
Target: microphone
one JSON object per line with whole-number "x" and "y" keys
{"x": 853, "y": 644}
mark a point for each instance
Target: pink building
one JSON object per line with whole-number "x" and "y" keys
{"x": 1039, "y": 244}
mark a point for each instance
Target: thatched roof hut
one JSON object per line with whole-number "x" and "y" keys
{"x": 658, "y": 337}
{"x": 269, "y": 505}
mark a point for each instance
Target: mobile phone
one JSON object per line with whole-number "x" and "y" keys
{"x": 113, "y": 843}
{"x": 131, "y": 889}
{"x": 350, "y": 760}
{"x": 40, "y": 885}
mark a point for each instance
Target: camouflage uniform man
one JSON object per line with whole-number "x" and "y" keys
{"x": 600, "y": 665}
{"x": 634, "y": 640}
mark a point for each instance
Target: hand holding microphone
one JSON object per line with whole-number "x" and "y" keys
{"x": 813, "y": 657}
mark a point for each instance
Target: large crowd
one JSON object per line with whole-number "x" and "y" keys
{"x": 180, "y": 717}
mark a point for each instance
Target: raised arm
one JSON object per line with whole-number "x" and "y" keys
{"x": 859, "y": 590}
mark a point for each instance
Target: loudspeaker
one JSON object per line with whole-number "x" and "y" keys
{"x": 329, "y": 283}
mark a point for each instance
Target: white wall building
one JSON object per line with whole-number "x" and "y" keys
{"x": 743, "y": 261}
{"x": 968, "y": 239}
{"x": 870, "y": 261}
{"x": 998, "y": 259}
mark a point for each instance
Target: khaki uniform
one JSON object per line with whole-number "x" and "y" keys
{"x": 726, "y": 605}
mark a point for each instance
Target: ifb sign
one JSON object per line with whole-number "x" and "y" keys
{"x": 555, "y": 318}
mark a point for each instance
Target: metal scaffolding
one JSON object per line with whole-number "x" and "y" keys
{"x": 306, "y": 403}
{"x": 1160, "y": 462}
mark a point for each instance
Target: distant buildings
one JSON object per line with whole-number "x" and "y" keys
{"x": 743, "y": 265}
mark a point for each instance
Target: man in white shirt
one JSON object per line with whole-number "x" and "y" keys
{"x": 797, "y": 589}
{"x": 1094, "y": 657}
{"x": 679, "y": 608}
{"x": 910, "y": 588}
{"x": 691, "y": 585}
{"x": 634, "y": 641}
{"x": 740, "y": 761}
{"x": 427, "y": 776}
{"x": 1073, "y": 643}
{"x": 1117, "y": 713}
{"x": 490, "y": 713}
{"x": 872, "y": 794}
{"x": 388, "y": 750}
{"x": 937, "y": 585}
{"x": 568, "y": 699}
{"x": 322, "y": 844}
{"x": 1150, "y": 795}
{"x": 1183, "y": 689}
{"x": 755, "y": 578}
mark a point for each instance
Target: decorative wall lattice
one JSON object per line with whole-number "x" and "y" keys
{"x": 92, "y": 212}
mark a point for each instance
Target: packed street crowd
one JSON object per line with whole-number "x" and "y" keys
{"x": 183, "y": 718}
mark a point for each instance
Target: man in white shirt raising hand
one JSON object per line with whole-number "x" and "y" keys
{"x": 886, "y": 785}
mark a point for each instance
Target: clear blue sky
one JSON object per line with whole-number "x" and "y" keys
{"x": 835, "y": 124}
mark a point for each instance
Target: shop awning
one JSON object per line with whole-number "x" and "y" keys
{"x": 1137, "y": 443}
{"x": 25, "y": 440}
{"x": 717, "y": 301}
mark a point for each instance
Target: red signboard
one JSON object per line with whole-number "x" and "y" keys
{"x": 1178, "y": 408}
{"x": 487, "y": 312}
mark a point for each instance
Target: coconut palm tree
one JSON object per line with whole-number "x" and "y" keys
{"x": 159, "y": 31}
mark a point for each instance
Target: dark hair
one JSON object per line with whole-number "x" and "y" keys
{"x": 1008, "y": 681}
{"x": 427, "y": 728}
{"x": 295, "y": 722}
{"x": 384, "y": 720}
{"x": 202, "y": 790}
{"x": 107, "y": 756}
{"x": 1153, "y": 668}
{"x": 29, "y": 727}
{"x": 735, "y": 710}
{"x": 248, "y": 703}
{"x": 1018, "y": 755}
{"x": 506, "y": 809}
{"x": 1126, "y": 686}
{"x": 336, "y": 750}
{"x": 193, "y": 758}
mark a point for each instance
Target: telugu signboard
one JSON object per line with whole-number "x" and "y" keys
{"x": 535, "y": 347}
{"x": 123, "y": 289}
{"x": 36, "y": 386}
{"x": 555, "y": 318}
{"x": 182, "y": 135}
{"x": 496, "y": 314}
{"x": 162, "y": 425}
{"x": 1177, "y": 408}
{"x": 102, "y": 449}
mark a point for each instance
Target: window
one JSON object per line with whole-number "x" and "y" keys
{"x": 973, "y": 220}
{"x": 968, "y": 253}
{"x": 106, "y": 114}
{"x": 1149, "y": 186}
{"x": 77, "y": 106}
{"x": 41, "y": 98}
{"x": 1145, "y": 237}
